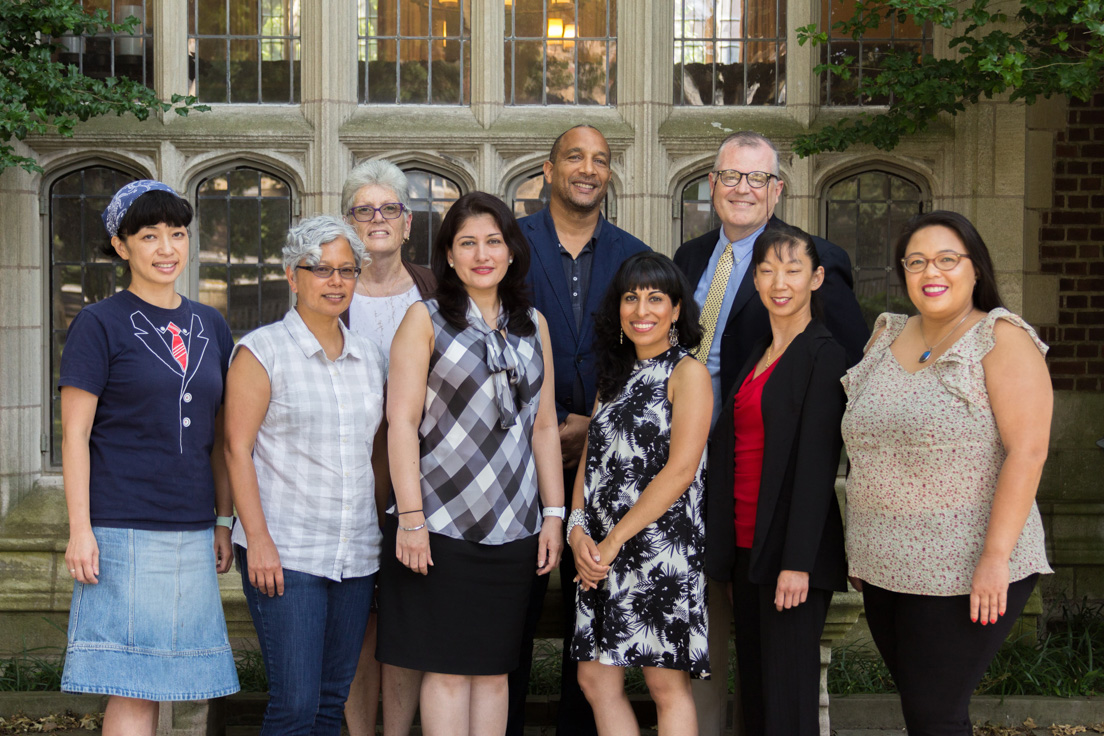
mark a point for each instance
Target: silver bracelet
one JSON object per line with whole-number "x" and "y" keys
{"x": 412, "y": 528}
{"x": 577, "y": 518}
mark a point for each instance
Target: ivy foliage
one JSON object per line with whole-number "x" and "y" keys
{"x": 40, "y": 96}
{"x": 1038, "y": 48}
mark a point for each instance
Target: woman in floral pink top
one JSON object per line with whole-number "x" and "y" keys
{"x": 947, "y": 426}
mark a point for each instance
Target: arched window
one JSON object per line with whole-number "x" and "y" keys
{"x": 431, "y": 195}
{"x": 109, "y": 54}
{"x": 414, "y": 51}
{"x": 730, "y": 52}
{"x": 528, "y": 194}
{"x": 79, "y": 273}
{"x": 561, "y": 52}
{"x": 863, "y": 214}
{"x": 243, "y": 217}
{"x": 698, "y": 216}
{"x": 244, "y": 50}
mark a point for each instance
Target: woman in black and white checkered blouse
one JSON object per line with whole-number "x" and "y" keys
{"x": 472, "y": 438}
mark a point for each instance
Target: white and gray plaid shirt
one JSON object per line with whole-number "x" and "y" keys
{"x": 314, "y": 448}
{"x": 479, "y": 479}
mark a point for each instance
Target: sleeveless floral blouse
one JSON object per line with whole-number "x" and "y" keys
{"x": 925, "y": 455}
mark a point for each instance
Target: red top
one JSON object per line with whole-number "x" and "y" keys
{"x": 748, "y": 453}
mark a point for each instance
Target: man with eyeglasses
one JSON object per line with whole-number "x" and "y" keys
{"x": 745, "y": 187}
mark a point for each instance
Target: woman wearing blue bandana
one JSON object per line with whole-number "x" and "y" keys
{"x": 145, "y": 481}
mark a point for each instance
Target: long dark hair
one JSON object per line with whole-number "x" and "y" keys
{"x": 986, "y": 295}
{"x": 615, "y": 356}
{"x": 152, "y": 208}
{"x": 513, "y": 292}
{"x": 782, "y": 239}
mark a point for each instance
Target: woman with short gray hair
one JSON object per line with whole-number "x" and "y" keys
{"x": 304, "y": 400}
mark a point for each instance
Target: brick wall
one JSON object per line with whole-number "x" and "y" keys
{"x": 1072, "y": 247}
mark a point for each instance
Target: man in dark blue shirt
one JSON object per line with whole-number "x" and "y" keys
{"x": 575, "y": 253}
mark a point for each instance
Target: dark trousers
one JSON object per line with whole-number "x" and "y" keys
{"x": 936, "y": 654}
{"x": 575, "y": 715}
{"x": 779, "y": 656}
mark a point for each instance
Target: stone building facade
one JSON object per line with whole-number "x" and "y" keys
{"x": 346, "y": 82}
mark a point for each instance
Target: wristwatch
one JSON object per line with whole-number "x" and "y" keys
{"x": 558, "y": 511}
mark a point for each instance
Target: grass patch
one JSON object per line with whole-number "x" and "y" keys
{"x": 35, "y": 670}
{"x": 1067, "y": 661}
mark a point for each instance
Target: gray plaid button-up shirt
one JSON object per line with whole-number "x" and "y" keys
{"x": 314, "y": 449}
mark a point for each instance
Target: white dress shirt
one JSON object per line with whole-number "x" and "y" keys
{"x": 314, "y": 449}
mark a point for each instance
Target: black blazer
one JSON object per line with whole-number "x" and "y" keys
{"x": 797, "y": 523}
{"x": 748, "y": 322}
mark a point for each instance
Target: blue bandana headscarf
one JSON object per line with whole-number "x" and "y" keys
{"x": 125, "y": 197}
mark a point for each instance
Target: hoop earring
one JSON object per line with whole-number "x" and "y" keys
{"x": 672, "y": 336}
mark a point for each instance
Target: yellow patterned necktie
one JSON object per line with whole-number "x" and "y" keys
{"x": 714, "y": 298}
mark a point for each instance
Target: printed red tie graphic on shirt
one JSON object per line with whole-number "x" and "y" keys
{"x": 179, "y": 352}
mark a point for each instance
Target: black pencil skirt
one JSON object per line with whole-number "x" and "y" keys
{"x": 466, "y": 616}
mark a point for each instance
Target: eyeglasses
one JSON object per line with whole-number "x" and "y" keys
{"x": 755, "y": 179}
{"x": 367, "y": 213}
{"x": 324, "y": 272}
{"x": 945, "y": 261}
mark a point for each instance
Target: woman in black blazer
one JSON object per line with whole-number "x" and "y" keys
{"x": 773, "y": 522}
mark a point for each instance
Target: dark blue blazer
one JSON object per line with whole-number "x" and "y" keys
{"x": 748, "y": 322}
{"x": 572, "y": 347}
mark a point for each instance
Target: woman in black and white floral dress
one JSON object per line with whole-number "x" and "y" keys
{"x": 636, "y": 526}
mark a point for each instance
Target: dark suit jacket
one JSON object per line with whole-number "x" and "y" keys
{"x": 748, "y": 321}
{"x": 572, "y": 347}
{"x": 797, "y": 523}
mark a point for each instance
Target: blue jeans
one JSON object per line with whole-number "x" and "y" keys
{"x": 310, "y": 639}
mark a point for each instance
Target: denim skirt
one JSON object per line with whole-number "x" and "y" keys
{"x": 152, "y": 627}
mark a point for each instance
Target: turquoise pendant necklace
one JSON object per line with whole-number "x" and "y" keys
{"x": 927, "y": 353}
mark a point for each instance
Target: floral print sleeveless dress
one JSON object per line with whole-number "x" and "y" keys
{"x": 650, "y": 611}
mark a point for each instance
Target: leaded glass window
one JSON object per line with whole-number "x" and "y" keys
{"x": 561, "y": 52}
{"x": 415, "y": 52}
{"x": 106, "y": 55}
{"x": 431, "y": 195}
{"x": 863, "y": 215}
{"x": 698, "y": 216}
{"x": 730, "y": 52}
{"x": 889, "y": 36}
{"x": 244, "y": 50}
{"x": 80, "y": 273}
{"x": 243, "y": 217}
{"x": 529, "y": 194}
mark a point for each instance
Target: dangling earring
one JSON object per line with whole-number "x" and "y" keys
{"x": 621, "y": 337}
{"x": 672, "y": 336}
